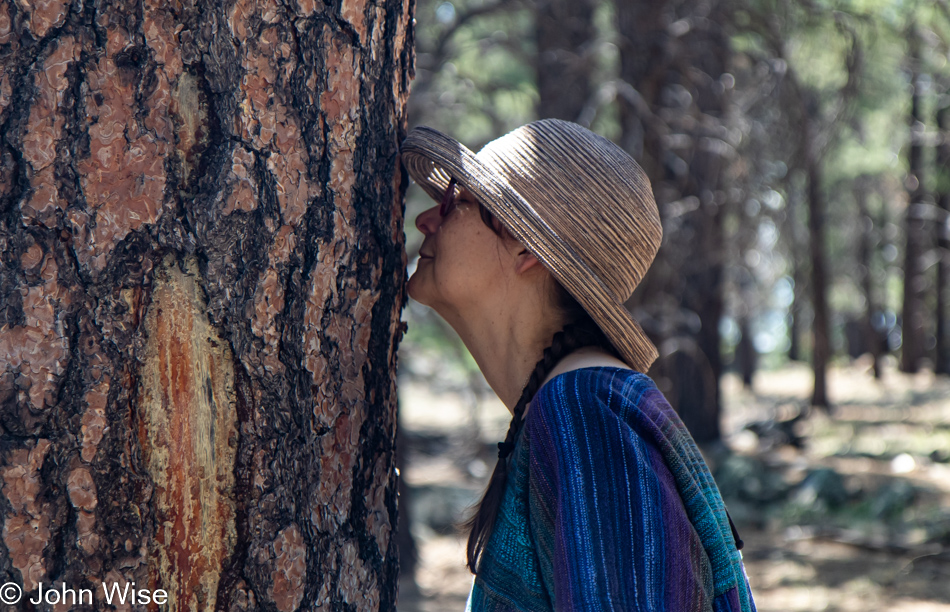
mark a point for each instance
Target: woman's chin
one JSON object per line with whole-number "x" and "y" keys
{"x": 412, "y": 289}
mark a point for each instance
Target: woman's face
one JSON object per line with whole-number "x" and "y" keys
{"x": 460, "y": 260}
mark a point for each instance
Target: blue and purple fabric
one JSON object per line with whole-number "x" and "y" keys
{"x": 609, "y": 506}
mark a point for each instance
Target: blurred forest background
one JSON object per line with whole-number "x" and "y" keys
{"x": 800, "y": 156}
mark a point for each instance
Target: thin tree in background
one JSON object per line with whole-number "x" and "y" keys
{"x": 866, "y": 230}
{"x": 821, "y": 348}
{"x": 746, "y": 357}
{"x": 817, "y": 128}
{"x": 912, "y": 340}
{"x": 942, "y": 230}
{"x": 202, "y": 274}
{"x": 796, "y": 242}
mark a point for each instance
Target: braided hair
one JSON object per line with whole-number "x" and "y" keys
{"x": 581, "y": 331}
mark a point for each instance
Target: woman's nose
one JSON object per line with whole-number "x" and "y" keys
{"x": 428, "y": 221}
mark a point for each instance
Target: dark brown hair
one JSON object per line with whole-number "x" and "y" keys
{"x": 580, "y": 331}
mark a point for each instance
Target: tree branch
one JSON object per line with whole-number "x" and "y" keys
{"x": 463, "y": 18}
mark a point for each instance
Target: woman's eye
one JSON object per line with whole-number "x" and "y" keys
{"x": 447, "y": 208}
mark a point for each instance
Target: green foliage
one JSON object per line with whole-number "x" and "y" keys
{"x": 476, "y": 85}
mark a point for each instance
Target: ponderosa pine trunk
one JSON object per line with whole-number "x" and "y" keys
{"x": 201, "y": 223}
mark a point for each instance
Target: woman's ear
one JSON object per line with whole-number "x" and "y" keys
{"x": 525, "y": 261}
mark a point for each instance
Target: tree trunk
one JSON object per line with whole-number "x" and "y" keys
{"x": 821, "y": 350}
{"x": 564, "y": 31}
{"x": 942, "y": 362}
{"x": 642, "y": 43}
{"x": 746, "y": 355}
{"x": 865, "y": 251}
{"x": 912, "y": 340}
{"x": 201, "y": 219}
{"x": 679, "y": 79}
{"x": 799, "y": 294}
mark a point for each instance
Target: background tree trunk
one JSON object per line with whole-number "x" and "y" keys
{"x": 642, "y": 42}
{"x": 872, "y": 336}
{"x": 673, "y": 118}
{"x": 746, "y": 356}
{"x": 912, "y": 342}
{"x": 821, "y": 346}
{"x": 704, "y": 262}
{"x": 202, "y": 226}
{"x": 796, "y": 249}
{"x": 942, "y": 227}
{"x": 564, "y": 31}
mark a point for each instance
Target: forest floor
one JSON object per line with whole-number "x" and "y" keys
{"x": 853, "y": 517}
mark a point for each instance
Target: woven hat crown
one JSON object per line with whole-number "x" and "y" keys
{"x": 594, "y": 196}
{"x": 573, "y": 198}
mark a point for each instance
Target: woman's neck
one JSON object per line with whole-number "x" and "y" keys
{"x": 507, "y": 344}
{"x": 508, "y": 349}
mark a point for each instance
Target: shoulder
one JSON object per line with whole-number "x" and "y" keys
{"x": 609, "y": 387}
{"x": 582, "y": 404}
{"x": 589, "y": 403}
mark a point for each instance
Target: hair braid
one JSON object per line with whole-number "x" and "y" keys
{"x": 580, "y": 333}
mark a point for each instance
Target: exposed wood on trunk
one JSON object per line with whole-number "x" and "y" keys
{"x": 199, "y": 313}
{"x": 188, "y": 435}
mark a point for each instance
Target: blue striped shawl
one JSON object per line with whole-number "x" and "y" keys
{"x": 609, "y": 506}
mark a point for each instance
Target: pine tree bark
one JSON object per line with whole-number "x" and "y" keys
{"x": 201, "y": 226}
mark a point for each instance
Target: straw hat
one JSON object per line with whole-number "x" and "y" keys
{"x": 576, "y": 200}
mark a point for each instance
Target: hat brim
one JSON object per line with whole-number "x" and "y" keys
{"x": 433, "y": 159}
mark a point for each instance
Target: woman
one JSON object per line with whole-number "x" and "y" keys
{"x": 600, "y": 499}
